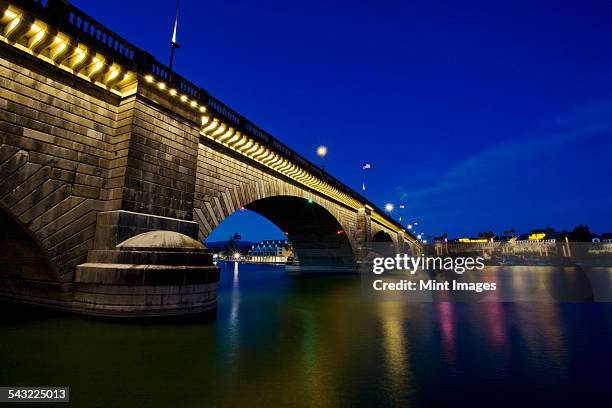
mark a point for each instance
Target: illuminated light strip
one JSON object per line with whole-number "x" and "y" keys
{"x": 183, "y": 98}
{"x": 243, "y": 140}
{"x": 248, "y": 147}
{"x": 272, "y": 160}
{"x": 219, "y": 131}
{"x": 212, "y": 126}
{"x": 39, "y": 35}
{"x": 253, "y": 149}
{"x": 228, "y": 134}
{"x": 46, "y": 43}
{"x": 244, "y": 147}
{"x": 265, "y": 153}
{"x": 285, "y": 165}
{"x": 293, "y": 171}
{"x": 233, "y": 139}
{"x": 376, "y": 217}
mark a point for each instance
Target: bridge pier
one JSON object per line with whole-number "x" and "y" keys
{"x": 145, "y": 265}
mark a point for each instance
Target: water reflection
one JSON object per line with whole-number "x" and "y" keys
{"x": 316, "y": 341}
{"x": 395, "y": 345}
{"x": 496, "y": 325}
{"x": 447, "y": 329}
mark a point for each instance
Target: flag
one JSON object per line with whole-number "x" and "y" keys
{"x": 365, "y": 166}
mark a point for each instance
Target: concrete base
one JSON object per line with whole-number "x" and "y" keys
{"x": 152, "y": 274}
{"x": 125, "y": 290}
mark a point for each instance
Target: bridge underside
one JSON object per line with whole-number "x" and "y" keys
{"x": 26, "y": 272}
{"x": 317, "y": 237}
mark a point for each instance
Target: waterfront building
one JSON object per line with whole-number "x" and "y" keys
{"x": 271, "y": 251}
{"x": 606, "y": 237}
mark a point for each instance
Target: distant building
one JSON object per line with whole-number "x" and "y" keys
{"x": 504, "y": 238}
{"x": 538, "y": 236}
{"x": 271, "y": 250}
{"x": 473, "y": 240}
{"x": 606, "y": 237}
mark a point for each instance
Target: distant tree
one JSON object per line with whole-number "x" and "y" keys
{"x": 562, "y": 235}
{"x": 231, "y": 246}
{"x": 486, "y": 235}
{"x": 581, "y": 233}
{"x": 547, "y": 230}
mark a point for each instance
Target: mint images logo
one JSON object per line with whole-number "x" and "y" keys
{"x": 404, "y": 262}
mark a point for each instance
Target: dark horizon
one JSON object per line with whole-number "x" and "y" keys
{"x": 477, "y": 117}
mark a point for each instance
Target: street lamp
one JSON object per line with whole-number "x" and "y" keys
{"x": 388, "y": 207}
{"x": 322, "y": 152}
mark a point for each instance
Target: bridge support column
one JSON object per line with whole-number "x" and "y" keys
{"x": 145, "y": 265}
{"x": 364, "y": 232}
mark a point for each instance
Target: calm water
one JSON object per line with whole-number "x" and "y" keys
{"x": 282, "y": 340}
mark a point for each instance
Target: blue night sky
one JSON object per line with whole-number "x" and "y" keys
{"x": 476, "y": 115}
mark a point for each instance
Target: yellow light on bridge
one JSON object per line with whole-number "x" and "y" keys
{"x": 161, "y": 86}
{"x": 149, "y": 78}
{"x": 113, "y": 74}
{"x": 538, "y": 236}
{"x": 12, "y": 25}
{"x": 37, "y": 38}
{"x": 81, "y": 55}
{"x": 97, "y": 65}
{"x": 173, "y": 92}
{"x": 184, "y": 98}
{"x": 26, "y": 32}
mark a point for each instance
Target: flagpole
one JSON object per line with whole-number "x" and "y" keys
{"x": 173, "y": 44}
{"x": 362, "y": 179}
{"x": 364, "y": 167}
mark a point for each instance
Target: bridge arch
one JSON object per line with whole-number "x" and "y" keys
{"x": 26, "y": 269}
{"x": 317, "y": 237}
{"x": 382, "y": 236}
{"x": 322, "y": 232}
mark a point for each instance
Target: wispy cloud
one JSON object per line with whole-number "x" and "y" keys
{"x": 501, "y": 161}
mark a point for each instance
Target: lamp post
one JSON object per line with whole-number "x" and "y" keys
{"x": 322, "y": 152}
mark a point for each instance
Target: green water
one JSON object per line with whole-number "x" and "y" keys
{"x": 284, "y": 340}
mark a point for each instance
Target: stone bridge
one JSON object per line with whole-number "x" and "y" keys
{"x": 113, "y": 169}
